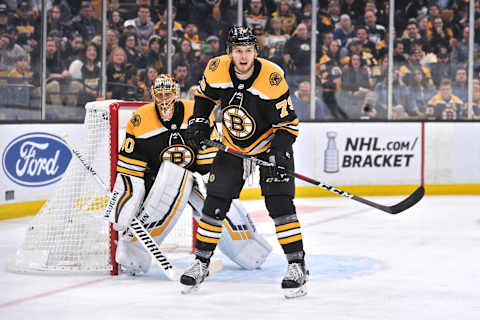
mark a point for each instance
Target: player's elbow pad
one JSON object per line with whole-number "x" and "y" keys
{"x": 125, "y": 200}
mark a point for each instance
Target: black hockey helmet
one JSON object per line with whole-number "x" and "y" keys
{"x": 241, "y": 36}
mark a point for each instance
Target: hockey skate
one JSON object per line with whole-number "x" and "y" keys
{"x": 294, "y": 282}
{"x": 194, "y": 276}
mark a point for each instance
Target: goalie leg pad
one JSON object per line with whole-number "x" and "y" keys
{"x": 240, "y": 241}
{"x": 125, "y": 201}
{"x": 132, "y": 257}
{"x": 166, "y": 200}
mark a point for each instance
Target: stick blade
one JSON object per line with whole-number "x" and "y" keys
{"x": 413, "y": 199}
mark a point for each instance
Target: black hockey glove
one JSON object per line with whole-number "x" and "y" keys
{"x": 282, "y": 160}
{"x": 198, "y": 130}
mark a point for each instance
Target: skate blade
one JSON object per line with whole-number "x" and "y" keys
{"x": 188, "y": 289}
{"x": 295, "y": 292}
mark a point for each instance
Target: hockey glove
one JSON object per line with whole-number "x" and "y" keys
{"x": 282, "y": 160}
{"x": 198, "y": 130}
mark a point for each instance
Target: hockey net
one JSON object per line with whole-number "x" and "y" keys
{"x": 69, "y": 233}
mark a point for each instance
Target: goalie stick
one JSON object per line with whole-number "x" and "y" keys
{"x": 415, "y": 197}
{"x": 137, "y": 228}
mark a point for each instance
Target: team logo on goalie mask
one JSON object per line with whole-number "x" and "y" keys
{"x": 238, "y": 122}
{"x": 179, "y": 154}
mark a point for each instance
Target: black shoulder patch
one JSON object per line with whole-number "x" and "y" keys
{"x": 214, "y": 64}
{"x": 275, "y": 78}
{"x": 135, "y": 120}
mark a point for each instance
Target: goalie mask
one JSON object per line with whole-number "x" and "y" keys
{"x": 165, "y": 93}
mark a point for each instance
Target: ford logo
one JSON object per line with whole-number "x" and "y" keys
{"x": 36, "y": 159}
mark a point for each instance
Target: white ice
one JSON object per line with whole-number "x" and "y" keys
{"x": 365, "y": 264}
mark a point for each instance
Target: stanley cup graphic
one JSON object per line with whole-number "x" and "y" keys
{"x": 331, "y": 154}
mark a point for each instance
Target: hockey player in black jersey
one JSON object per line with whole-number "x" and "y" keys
{"x": 258, "y": 119}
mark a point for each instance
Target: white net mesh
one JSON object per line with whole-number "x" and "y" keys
{"x": 69, "y": 232}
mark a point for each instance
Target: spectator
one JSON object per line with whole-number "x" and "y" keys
{"x": 297, "y": 53}
{"x": 153, "y": 56}
{"x": 344, "y": 31}
{"x": 422, "y": 21}
{"x": 115, "y": 21}
{"x": 286, "y": 16}
{"x": 144, "y": 26}
{"x": 274, "y": 41}
{"x": 132, "y": 13}
{"x": 3, "y": 18}
{"x": 86, "y": 23}
{"x": 90, "y": 75}
{"x": 129, "y": 26}
{"x": 177, "y": 26}
{"x": 442, "y": 69}
{"x": 476, "y": 100}
{"x": 256, "y": 13}
{"x": 117, "y": 74}
{"x": 111, "y": 40}
{"x": 330, "y": 76}
{"x": 445, "y": 105}
{"x": 440, "y": 36}
{"x": 355, "y": 46}
{"x": 23, "y": 21}
{"x": 459, "y": 20}
{"x": 353, "y": 8}
{"x": 327, "y": 21}
{"x": 185, "y": 53}
{"x": 60, "y": 89}
{"x": 327, "y": 37}
{"x": 55, "y": 22}
{"x": 460, "y": 87}
{"x": 147, "y": 81}
{"x": 414, "y": 58}
{"x": 415, "y": 8}
{"x": 410, "y": 36}
{"x": 181, "y": 75}
{"x": 191, "y": 34}
{"x": 129, "y": 43}
{"x": 367, "y": 45}
{"x": 375, "y": 31}
{"x": 421, "y": 91}
{"x": 74, "y": 49}
{"x": 460, "y": 51}
{"x": 9, "y": 50}
{"x": 197, "y": 68}
{"x": 301, "y": 103}
{"x": 355, "y": 84}
{"x": 20, "y": 81}
{"x": 214, "y": 43}
{"x": 398, "y": 53}
{"x": 400, "y": 96}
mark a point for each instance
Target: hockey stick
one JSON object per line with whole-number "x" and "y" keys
{"x": 415, "y": 197}
{"x": 137, "y": 228}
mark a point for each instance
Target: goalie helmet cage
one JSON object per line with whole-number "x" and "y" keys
{"x": 69, "y": 233}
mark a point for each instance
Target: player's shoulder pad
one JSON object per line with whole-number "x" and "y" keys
{"x": 270, "y": 82}
{"x": 143, "y": 120}
{"x": 217, "y": 70}
{"x": 187, "y": 109}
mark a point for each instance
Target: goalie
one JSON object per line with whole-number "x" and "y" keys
{"x": 155, "y": 182}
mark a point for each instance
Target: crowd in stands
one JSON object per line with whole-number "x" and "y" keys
{"x": 430, "y": 51}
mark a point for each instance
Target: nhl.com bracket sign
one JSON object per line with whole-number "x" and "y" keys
{"x": 394, "y": 150}
{"x": 36, "y": 159}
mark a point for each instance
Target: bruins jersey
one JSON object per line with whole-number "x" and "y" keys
{"x": 150, "y": 140}
{"x": 441, "y": 109}
{"x": 253, "y": 110}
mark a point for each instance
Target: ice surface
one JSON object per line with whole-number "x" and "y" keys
{"x": 364, "y": 264}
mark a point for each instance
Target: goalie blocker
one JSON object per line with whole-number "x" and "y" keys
{"x": 173, "y": 188}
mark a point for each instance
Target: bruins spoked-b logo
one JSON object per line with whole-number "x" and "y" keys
{"x": 179, "y": 154}
{"x": 214, "y": 64}
{"x": 238, "y": 122}
{"x": 135, "y": 120}
{"x": 275, "y": 78}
